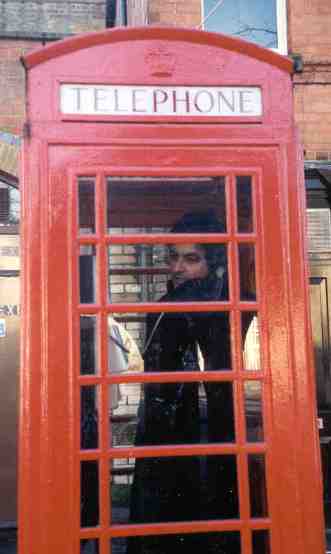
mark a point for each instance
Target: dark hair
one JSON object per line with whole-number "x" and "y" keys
{"x": 204, "y": 222}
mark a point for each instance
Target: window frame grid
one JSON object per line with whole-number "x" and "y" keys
{"x": 281, "y": 26}
{"x": 105, "y": 453}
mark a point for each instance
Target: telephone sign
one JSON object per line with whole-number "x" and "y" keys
{"x": 159, "y": 100}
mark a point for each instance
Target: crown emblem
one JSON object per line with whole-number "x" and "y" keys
{"x": 161, "y": 62}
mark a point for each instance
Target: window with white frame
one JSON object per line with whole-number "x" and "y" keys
{"x": 9, "y": 205}
{"x": 259, "y": 21}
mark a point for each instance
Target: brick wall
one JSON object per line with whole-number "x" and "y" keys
{"x": 309, "y": 28}
{"x": 12, "y": 105}
{"x": 60, "y": 17}
{"x": 313, "y": 116}
{"x": 137, "y": 12}
{"x": 309, "y": 36}
{"x": 181, "y": 13}
{"x": 28, "y": 25}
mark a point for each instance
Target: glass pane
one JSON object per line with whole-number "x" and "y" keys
{"x": 88, "y": 345}
{"x": 255, "y": 21}
{"x": 195, "y": 341}
{"x": 227, "y": 542}
{"x": 10, "y": 208}
{"x": 174, "y": 489}
{"x": 171, "y": 413}
{"x": 89, "y": 496}
{"x": 244, "y": 204}
{"x": 89, "y": 546}
{"x": 247, "y": 272}
{"x": 87, "y": 274}
{"x": 257, "y": 485}
{"x": 89, "y": 417}
{"x": 250, "y": 330}
{"x": 168, "y": 273}
{"x": 126, "y": 339}
{"x": 86, "y": 205}
{"x": 260, "y": 542}
{"x": 156, "y": 204}
{"x": 253, "y": 411}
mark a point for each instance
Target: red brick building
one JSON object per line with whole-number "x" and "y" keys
{"x": 302, "y": 27}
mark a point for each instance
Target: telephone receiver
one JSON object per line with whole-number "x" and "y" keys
{"x": 220, "y": 274}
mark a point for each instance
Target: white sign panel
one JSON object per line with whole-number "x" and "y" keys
{"x": 168, "y": 101}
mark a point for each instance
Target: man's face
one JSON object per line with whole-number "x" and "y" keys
{"x": 187, "y": 261}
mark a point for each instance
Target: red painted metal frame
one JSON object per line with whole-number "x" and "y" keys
{"x": 89, "y": 40}
{"x": 54, "y": 156}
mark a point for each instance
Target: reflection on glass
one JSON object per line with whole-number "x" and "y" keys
{"x": 86, "y": 205}
{"x": 253, "y": 411}
{"x": 260, "y": 542}
{"x": 195, "y": 341}
{"x": 155, "y": 204}
{"x": 89, "y": 546}
{"x": 180, "y": 488}
{"x": 89, "y": 494}
{"x": 88, "y": 345}
{"x": 89, "y": 418}
{"x": 121, "y": 471}
{"x": 255, "y": 21}
{"x": 87, "y": 274}
{"x": 244, "y": 204}
{"x": 257, "y": 485}
{"x": 247, "y": 272}
{"x": 137, "y": 273}
{"x": 172, "y": 273}
{"x": 250, "y": 331}
{"x": 227, "y": 542}
{"x": 126, "y": 339}
{"x": 172, "y": 413}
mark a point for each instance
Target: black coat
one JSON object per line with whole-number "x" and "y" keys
{"x": 185, "y": 488}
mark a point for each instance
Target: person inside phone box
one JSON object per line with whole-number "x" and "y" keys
{"x": 186, "y": 488}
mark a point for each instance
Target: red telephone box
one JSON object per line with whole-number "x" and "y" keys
{"x": 168, "y": 399}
